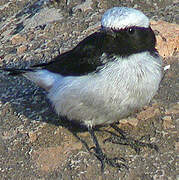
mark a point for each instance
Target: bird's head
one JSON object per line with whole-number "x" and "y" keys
{"x": 128, "y": 31}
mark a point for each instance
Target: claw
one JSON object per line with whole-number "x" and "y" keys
{"x": 134, "y": 144}
{"x": 103, "y": 158}
{"x": 113, "y": 162}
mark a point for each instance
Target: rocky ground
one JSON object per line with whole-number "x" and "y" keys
{"x": 34, "y": 142}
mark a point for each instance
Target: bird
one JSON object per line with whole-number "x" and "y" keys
{"x": 106, "y": 76}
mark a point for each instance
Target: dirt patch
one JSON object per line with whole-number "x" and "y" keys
{"x": 34, "y": 142}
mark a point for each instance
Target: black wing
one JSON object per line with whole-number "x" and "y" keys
{"x": 83, "y": 59}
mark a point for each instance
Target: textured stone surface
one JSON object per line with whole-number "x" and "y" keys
{"x": 34, "y": 142}
{"x": 167, "y": 35}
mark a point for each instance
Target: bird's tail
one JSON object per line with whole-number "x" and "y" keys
{"x": 15, "y": 72}
{"x": 41, "y": 77}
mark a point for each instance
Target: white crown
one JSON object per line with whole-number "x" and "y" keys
{"x": 122, "y": 17}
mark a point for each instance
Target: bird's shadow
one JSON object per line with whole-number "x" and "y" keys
{"x": 31, "y": 101}
{"x": 27, "y": 99}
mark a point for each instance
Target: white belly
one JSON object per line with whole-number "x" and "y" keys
{"x": 109, "y": 95}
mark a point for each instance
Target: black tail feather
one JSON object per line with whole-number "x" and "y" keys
{"x": 14, "y": 71}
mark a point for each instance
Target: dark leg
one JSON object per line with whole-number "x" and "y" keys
{"x": 102, "y": 157}
{"x": 98, "y": 151}
{"x": 122, "y": 139}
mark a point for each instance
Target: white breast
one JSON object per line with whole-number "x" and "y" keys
{"x": 114, "y": 92}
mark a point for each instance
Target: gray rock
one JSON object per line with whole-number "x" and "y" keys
{"x": 45, "y": 16}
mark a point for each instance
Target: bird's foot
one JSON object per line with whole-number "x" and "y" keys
{"x": 123, "y": 140}
{"x": 113, "y": 162}
{"x": 134, "y": 144}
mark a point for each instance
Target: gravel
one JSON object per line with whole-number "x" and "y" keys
{"x": 33, "y": 31}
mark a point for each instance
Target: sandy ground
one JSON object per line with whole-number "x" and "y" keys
{"x": 34, "y": 142}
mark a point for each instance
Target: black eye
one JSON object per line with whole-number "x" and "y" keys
{"x": 131, "y": 30}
